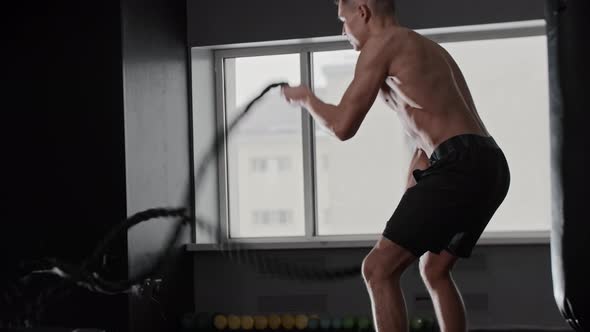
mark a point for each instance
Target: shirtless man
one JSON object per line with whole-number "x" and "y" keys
{"x": 458, "y": 175}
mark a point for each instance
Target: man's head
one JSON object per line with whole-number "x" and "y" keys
{"x": 360, "y": 17}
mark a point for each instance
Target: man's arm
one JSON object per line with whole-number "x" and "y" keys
{"x": 344, "y": 119}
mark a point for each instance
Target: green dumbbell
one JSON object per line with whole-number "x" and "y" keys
{"x": 348, "y": 323}
{"x": 325, "y": 323}
{"x": 336, "y": 323}
{"x": 364, "y": 324}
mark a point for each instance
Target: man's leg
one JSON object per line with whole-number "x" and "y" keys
{"x": 382, "y": 269}
{"x": 448, "y": 304}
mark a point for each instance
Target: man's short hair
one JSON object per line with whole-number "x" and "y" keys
{"x": 381, "y": 7}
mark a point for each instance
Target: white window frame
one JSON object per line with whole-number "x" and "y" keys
{"x": 305, "y": 50}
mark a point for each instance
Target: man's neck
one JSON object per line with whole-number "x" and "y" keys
{"x": 383, "y": 26}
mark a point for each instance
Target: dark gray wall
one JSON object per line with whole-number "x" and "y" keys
{"x": 229, "y": 21}
{"x": 157, "y": 149}
{"x": 63, "y": 157}
{"x": 95, "y": 111}
{"x": 502, "y": 286}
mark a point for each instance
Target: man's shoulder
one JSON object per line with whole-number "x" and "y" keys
{"x": 381, "y": 45}
{"x": 396, "y": 40}
{"x": 388, "y": 47}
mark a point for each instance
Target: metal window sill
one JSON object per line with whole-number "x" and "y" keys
{"x": 490, "y": 239}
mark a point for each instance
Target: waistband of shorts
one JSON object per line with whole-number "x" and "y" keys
{"x": 462, "y": 142}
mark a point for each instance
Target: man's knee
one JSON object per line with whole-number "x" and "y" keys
{"x": 432, "y": 273}
{"x": 385, "y": 263}
{"x": 435, "y": 268}
{"x": 375, "y": 269}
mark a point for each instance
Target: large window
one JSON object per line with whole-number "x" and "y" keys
{"x": 285, "y": 177}
{"x": 509, "y": 82}
{"x": 364, "y": 177}
{"x": 264, "y": 158}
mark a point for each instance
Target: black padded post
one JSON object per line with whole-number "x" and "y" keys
{"x": 568, "y": 33}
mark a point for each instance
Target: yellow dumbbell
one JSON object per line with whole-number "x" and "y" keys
{"x": 288, "y": 321}
{"x": 274, "y": 321}
{"x": 220, "y": 322}
{"x": 260, "y": 322}
{"x": 301, "y": 321}
{"x": 247, "y": 322}
{"x": 233, "y": 322}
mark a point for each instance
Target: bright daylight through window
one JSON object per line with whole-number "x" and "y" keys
{"x": 358, "y": 183}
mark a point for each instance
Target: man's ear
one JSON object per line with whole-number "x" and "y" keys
{"x": 365, "y": 12}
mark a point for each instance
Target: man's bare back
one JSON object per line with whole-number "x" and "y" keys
{"x": 425, "y": 87}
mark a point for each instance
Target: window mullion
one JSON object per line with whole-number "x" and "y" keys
{"x": 309, "y": 183}
{"x": 223, "y": 72}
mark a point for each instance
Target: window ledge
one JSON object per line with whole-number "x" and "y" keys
{"x": 491, "y": 238}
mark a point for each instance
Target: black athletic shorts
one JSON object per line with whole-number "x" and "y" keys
{"x": 453, "y": 199}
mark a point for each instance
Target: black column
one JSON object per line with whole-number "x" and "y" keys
{"x": 568, "y": 31}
